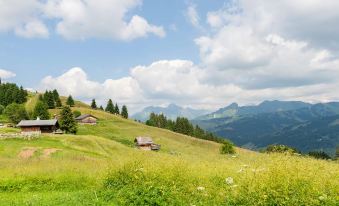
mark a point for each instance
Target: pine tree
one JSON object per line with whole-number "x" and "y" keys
{"x": 57, "y": 99}
{"x": 124, "y": 112}
{"x": 49, "y": 99}
{"x": 116, "y": 109}
{"x": 94, "y": 104}
{"x": 70, "y": 101}
{"x": 101, "y": 108}
{"x": 110, "y": 107}
{"x": 67, "y": 121}
{"x": 40, "y": 110}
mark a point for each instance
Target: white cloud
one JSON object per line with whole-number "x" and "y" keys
{"x": 5, "y": 74}
{"x": 99, "y": 19}
{"x": 22, "y": 17}
{"x": 193, "y": 16}
{"x": 76, "y": 19}
{"x": 252, "y": 45}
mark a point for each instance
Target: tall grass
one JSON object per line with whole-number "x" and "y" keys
{"x": 100, "y": 166}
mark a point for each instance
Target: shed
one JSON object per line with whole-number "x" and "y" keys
{"x": 38, "y": 126}
{"x": 146, "y": 143}
{"x": 86, "y": 119}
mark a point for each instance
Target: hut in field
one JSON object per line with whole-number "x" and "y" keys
{"x": 146, "y": 143}
{"x": 86, "y": 119}
{"x": 36, "y": 127}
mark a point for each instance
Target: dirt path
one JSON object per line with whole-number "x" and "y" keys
{"x": 27, "y": 152}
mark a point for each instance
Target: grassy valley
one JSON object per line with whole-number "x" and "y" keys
{"x": 101, "y": 166}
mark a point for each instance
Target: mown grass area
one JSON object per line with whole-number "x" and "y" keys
{"x": 100, "y": 166}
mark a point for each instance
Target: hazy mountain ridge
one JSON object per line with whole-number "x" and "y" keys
{"x": 256, "y": 128}
{"x": 265, "y": 107}
{"x": 172, "y": 111}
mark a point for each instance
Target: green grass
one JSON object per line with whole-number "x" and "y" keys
{"x": 100, "y": 166}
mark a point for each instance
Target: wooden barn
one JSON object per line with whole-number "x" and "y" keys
{"x": 31, "y": 127}
{"x": 146, "y": 143}
{"x": 86, "y": 119}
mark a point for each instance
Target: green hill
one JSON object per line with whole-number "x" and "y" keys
{"x": 100, "y": 166}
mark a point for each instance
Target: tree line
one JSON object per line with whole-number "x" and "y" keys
{"x": 112, "y": 108}
{"x": 11, "y": 93}
{"x": 181, "y": 125}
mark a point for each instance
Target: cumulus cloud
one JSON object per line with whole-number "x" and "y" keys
{"x": 5, "y": 74}
{"x": 23, "y": 18}
{"x": 76, "y": 19}
{"x": 99, "y": 19}
{"x": 252, "y": 45}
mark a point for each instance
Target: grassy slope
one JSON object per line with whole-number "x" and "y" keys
{"x": 99, "y": 166}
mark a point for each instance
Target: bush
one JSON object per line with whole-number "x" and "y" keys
{"x": 281, "y": 149}
{"x": 319, "y": 155}
{"x": 227, "y": 147}
{"x": 16, "y": 112}
{"x": 76, "y": 113}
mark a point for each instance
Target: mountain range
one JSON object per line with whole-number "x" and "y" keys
{"x": 301, "y": 125}
{"x": 172, "y": 111}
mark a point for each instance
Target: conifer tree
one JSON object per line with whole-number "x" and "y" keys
{"x": 110, "y": 107}
{"x": 49, "y": 99}
{"x": 57, "y": 99}
{"x": 94, "y": 104}
{"x": 101, "y": 108}
{"x": 40, "y": 110}
{"x": 67, "y": 121}
{"x": 70, "y": 101}
{"x": 116, "y": 109}
{"x": 124, "y": 112}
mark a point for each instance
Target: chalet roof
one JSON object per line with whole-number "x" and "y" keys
{"x": 81, "y": 117}
{"x": 29, "y": 123}
{"x": 143, "y": 140}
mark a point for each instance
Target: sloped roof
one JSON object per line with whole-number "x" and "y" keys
{"x": 143, "y": 140}
{"x": 28, "y": 123}
{"x": 85, "y": 116}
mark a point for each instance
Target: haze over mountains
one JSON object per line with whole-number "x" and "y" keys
{"x": 301, "y": 125}
{"x": 172, "y": 111}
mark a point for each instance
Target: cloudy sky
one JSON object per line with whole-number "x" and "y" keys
{"x": 203, "y": 54}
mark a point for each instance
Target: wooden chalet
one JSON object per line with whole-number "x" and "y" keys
{"x": 86, "y": 119}
{"x": 146, "y": 143}
{"x": 31, "y": 127}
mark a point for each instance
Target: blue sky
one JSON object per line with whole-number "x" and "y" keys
{"x": 102, "y": 58}
{"x": 202, "y": 54}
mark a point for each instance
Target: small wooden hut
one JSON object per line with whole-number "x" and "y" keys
{"x": 146, "y": 143}
{"x": 86, "y": 119}
{"x": 31, "y": 127}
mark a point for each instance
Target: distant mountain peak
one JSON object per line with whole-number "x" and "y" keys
{"x": 172, "y": 111}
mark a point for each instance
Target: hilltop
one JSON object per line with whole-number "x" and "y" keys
{"x": 101, "y": 166}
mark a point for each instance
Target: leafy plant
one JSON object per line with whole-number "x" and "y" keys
{"x": 227, "y": 148}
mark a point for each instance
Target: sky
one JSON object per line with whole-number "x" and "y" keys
{"x": 194, "y": 53}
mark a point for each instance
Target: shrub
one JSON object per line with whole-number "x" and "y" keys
{"x": 227, "y": 147}
{"x": 76, "y": 113}
{"x": 16, "y": 112}
{"x": 281, "y": 149}
{"x": 319, "y": 155}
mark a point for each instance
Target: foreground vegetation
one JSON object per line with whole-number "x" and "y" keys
{"x": 100, "y": 166}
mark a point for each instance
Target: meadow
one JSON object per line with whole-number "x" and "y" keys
{"x": 101, "y": 166}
